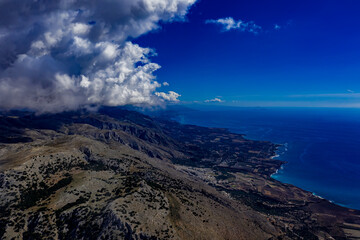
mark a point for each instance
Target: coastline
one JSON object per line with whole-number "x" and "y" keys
{"x": 277, "y": 155}
{"x": 280, "y": 197}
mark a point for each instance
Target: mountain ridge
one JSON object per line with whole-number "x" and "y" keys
{"x": 119, "y": 174}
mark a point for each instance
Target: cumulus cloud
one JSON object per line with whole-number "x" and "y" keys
{"x": 229, "y": 23}
{"x": 66, "y": 54}
{"x": 170, "y": 96}
{"x": 166, "y": 84}
{"x": 214, "y": 100}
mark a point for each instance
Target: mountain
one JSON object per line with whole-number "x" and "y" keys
{"x": 119, "y": 174}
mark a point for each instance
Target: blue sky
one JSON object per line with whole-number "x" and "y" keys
{"x": 306, "y": 53}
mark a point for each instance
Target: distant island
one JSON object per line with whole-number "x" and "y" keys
{"x": 119, "y": 174}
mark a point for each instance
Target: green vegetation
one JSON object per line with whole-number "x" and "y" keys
{"x": 174, "y": 208}
{"x": 79, "y": 201}
{"x": 32, "y": 195}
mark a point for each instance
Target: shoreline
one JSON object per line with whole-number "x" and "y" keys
{"x": 281, "y": 149}
{"x": 276, "y": 155}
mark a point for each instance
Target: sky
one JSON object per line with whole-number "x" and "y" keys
{"x": 70, "y": 54}
{"x": 301, "y": 53}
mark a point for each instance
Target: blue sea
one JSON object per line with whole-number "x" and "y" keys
{"x": 321, "y": 146}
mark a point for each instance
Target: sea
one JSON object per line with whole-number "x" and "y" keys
{"x": 320, "y": 145}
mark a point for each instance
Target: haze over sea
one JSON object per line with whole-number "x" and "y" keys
{"x": 321, "y": 145}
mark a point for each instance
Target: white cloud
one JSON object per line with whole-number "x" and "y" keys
{"x": 80, "y": 28}
{"x": 230, "y": 24}
{"x": 166, "y": 84}
{"x": 67, "y": 54}
{"x": 170, "y": 96}
{"x": 214, "y": 100}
